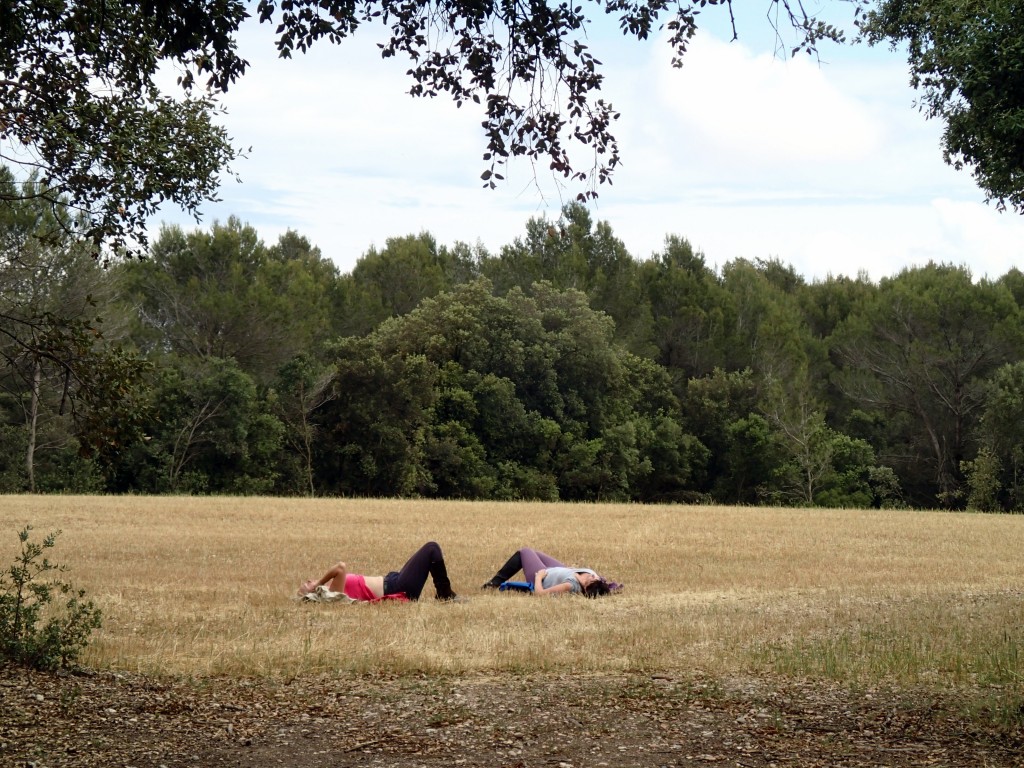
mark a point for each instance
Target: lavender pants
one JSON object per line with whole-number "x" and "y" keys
{"x": 534, "y": 561}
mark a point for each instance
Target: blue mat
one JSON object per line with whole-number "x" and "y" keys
{"x": 516, "y": 586}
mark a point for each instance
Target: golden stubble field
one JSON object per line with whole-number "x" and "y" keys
{"x": 204, "y": 586}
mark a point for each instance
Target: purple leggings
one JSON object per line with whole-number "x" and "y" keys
{"x": 534, "y": 561}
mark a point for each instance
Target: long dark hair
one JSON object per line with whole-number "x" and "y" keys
{"x": 597, "y": 588}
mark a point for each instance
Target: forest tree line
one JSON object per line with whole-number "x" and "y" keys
{"x": 559, "y": 368}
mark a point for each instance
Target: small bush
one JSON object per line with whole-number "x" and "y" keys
{"x": 32, "y": 632}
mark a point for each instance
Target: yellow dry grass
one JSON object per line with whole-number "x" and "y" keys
{"x": 204, "y": 586}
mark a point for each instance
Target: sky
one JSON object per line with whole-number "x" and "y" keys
{"x": 825, "y": 165}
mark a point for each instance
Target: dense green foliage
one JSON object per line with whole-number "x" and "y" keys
{"x": 31, "y": 632}
{"x": 68, "y": 389}
{"x": 559, "y": 368}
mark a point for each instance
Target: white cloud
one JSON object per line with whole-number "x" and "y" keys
{"x": 763, "y": 110}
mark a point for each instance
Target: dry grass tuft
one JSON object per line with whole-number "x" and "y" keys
{"x": 203, "y": 587}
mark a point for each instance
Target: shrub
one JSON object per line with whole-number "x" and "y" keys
{"x": 32, "y": 632}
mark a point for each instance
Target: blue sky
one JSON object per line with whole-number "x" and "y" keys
{"x": 825, "y": 165}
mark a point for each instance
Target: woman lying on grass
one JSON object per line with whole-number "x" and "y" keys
{"x": 550, "y": 577}
{"x": 406, "y": 584}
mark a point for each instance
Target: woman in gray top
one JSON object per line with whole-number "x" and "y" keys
{"x": 548, "y": 576}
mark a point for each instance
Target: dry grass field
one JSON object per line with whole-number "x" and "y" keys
{"x": 204, "y": 587}
{"x": 745, "y": 637}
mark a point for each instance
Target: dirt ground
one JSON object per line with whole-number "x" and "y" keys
{"x": 105, "y": 719}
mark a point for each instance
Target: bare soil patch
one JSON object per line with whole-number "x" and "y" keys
{"x": 565, "y": 721}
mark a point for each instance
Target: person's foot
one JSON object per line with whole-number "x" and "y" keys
{"x": 492, "y": 584}
{"x": 453, "y": 598}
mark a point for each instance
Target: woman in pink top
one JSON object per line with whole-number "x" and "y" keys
{"x": 408, "y": 582}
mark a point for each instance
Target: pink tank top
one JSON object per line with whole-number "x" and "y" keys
{"x": 355, "y": 587}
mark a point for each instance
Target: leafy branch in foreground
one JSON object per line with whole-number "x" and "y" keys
{"x": 966, "y": 63}
{"x": 82, "y": 113}
{"x": 86, "y": 122}
{"x": 27, "y": 589}
{"x": 528, "y": 63}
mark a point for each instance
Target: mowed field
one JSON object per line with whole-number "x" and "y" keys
{"x": 205, "y": 587}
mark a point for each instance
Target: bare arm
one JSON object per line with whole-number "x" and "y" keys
{"x": 334, "y": 579}
{"x": 538, "y": 585}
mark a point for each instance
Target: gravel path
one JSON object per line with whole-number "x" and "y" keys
{"x": 106, "y": 719}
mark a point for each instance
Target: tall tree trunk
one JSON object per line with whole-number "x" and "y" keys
{"x": 307, "y": 437}
{"x": 33, "y": 420}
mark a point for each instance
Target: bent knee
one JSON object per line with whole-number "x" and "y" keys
{"x": 433, "y": 547}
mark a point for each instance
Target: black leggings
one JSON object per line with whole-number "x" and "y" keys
{"x": 427, "y": 560}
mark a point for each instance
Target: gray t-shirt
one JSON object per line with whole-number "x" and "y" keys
{"x": 561, "y": 575}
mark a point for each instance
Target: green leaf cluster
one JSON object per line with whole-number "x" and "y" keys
{"x": 81, "y": 109}
{"x": 967, "y": 62}
{"x": 34, "y": 631}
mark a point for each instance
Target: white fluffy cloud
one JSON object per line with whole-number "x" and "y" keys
{"x": 764, "y": 112}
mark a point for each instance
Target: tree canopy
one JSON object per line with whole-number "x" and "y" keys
{"x": 561, "y": 367}
{"x": 81, "y": 110}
